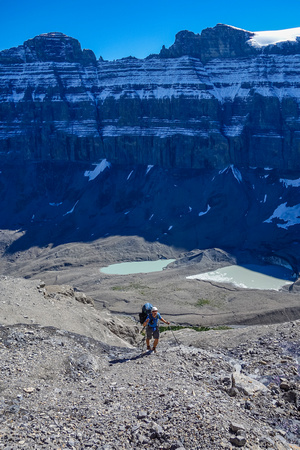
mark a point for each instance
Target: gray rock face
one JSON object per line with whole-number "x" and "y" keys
{"x": 54, "y": 47}
{"x": 221, "y": 41}
{"x": 209, "y": 101}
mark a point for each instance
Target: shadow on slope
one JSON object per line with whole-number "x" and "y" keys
{"x": 55, "y": 203}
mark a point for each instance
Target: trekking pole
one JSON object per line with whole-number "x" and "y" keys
{"x": 142, "y": 342}
{"x": 178, "y": 343}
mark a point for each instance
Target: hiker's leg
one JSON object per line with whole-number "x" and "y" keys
{"x": 148, "y": 337}
{"x": 156, "y": 337}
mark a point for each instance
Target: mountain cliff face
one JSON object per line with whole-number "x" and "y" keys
{"x": 199, "y": 145}
{"x": 208, "y": 101}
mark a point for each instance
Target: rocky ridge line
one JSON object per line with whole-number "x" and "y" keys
{"x": 221, "y": 41}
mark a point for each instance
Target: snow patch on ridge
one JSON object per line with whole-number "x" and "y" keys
{"x": 98, "y": 169}
{"x": 204, "y": 212}
{"x": 71, "y": 210}
{"x": 235, "y": 172}
{"x": 264, "y": 38}
{"x": 129, "y": 175}
{"x": 290, "y": 215}
{"x": 293, "y": 183}
{"x": 149, "y": 167}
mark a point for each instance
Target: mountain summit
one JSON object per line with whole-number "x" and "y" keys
{"x": 55, "y": 47}
{"x": 224, "y": 41}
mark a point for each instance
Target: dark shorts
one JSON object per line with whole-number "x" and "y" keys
{"x": 150, "y": 332}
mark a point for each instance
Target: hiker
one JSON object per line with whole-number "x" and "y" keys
{"x": 152, "y": 329}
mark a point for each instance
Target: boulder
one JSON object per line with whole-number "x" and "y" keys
{"x": 247, "y": 385}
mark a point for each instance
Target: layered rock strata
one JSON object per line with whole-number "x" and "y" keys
{"x": 209, "y": 101}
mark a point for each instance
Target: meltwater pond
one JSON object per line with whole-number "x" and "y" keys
{"x": 128, "y": 268}
{"x": 250, "y": 276}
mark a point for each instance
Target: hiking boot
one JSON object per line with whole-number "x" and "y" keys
{"x": 154, "y": 349}
{"x": 148, "y": 347}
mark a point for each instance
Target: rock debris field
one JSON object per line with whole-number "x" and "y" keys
{"x": 212, "y": 390}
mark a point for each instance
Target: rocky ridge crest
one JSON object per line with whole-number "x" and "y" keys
{"x": 55, "y": 47}
{"x": 223, "y": 41}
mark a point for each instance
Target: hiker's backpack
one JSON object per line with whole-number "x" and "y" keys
{"x": 146, "y": 310}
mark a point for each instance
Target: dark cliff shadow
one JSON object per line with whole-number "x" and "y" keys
{"x": 53, "y": 204}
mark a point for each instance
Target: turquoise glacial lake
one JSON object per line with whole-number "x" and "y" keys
{"x": 128, "y": 268}
{"x": 250, "y": 276}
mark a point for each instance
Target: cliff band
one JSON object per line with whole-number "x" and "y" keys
{"x": 226, "y": 96}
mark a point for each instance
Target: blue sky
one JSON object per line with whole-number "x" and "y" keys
{"x": 118, "y": 28}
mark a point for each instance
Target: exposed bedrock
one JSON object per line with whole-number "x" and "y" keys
{"x": 209, "y": 101}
